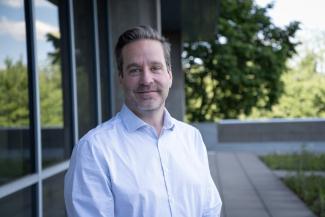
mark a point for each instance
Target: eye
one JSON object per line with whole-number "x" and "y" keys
{"x": 134, "y": 71}
{"x": 156, "y": 68}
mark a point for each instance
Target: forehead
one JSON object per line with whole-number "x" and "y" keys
{"x": 143, "y": 50}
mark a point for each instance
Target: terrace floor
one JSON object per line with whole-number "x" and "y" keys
{"x": 249, "y": 189}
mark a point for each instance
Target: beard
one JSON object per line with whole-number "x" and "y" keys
{"x": 146, "y": 98}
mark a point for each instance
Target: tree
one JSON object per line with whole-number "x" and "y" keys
{"x": 241, "y": 68}
{"x": 51, "y": 96}
{"x": 14, "y": 94}
{"x": 54, "y": 39}
{"x": 14, "y": 110}
{"x": 304, "y": 92}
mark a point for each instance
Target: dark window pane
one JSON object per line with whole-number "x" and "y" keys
{"x": 18, "y": 204}
{"x": 15, "y": 156}
{"x": 104, "y": 58}
{"x": 85, "y": 66}
{"x": 55, "y": 130}
{"x": 53, "y": 196}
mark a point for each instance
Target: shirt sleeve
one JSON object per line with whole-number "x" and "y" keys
{"x": 213, "y": 208}
{"x": 87, "y": 189}
{"x": 213, "y": 201}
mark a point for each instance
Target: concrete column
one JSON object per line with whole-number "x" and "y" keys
{"x": 123, "y": 15}
{"x": 176, "y": 99}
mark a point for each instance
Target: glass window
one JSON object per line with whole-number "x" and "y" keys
{"x": 83, "y": 26}
{"x": 18, "y": 204}
{"x": 53, "y": 205}
{"x": 104, "y": 58}
{"x": 15, "y": 146}
{"x": 54, "y": 124}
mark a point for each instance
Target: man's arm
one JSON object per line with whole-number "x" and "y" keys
{"x": 213, "y": 201}
{"x": 87, "y": 189}
{"x": 213, "y": 208}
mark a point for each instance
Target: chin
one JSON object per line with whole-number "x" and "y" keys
{"x": 149, "y": 106}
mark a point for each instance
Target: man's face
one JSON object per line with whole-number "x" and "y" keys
{"x": 145, "y": 78}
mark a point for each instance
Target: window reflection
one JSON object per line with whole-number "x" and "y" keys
{"x": 15, "y": 147}
{"x": 53, "y": 196}
{"x": 86, "y": 95}
{"x": 18, "y": 204}
{"x": 55, "y": 130}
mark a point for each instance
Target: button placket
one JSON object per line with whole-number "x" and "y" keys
{"x": 163, "y": 160}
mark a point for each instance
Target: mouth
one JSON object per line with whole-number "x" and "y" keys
{"x": 146, "y": 95}
{"x": 146, "y": 92}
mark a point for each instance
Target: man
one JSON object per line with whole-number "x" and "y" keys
{"x": 142, "y": 162}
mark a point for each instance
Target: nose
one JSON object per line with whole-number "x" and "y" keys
{"x": 146, "y": 76}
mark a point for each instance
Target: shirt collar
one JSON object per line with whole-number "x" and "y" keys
{"x": 133, "y": 122}
{"x": 168, "y": 121}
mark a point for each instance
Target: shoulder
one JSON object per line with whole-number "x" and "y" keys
{"x": 190, "y": 133}
{"x": 185, "y": 127}
{"x": 192, "y": 138}
{"x": 102, "y": 132}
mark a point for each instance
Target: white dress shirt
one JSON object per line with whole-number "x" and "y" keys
{"x": 122, "y": 168}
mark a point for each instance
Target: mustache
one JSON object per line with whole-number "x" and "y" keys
{"x": 147, "y": 88}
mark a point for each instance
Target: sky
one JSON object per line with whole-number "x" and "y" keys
{"x": 312, "y": 18}
{"x": 310, "y": 13}
{"x": 12, "y": 27}
{"x": 13, "y": 30}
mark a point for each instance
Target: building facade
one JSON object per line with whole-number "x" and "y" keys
{"x": 58, "y": 80}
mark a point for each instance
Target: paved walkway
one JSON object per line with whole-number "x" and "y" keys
{"x": 249, "y": 189}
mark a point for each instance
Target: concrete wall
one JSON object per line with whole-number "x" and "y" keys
{"x": 176, "y": 99}
{"x": 234, "y": 131}
{"x": 125, "y": 14}
{"x": 275, "y": 130}
{"x": 172, "y": 30}
{"x": 209, "y": 133}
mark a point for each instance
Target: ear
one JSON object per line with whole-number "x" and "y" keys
{"x": 171, "y": 77}
{"x": 120, "y": 77}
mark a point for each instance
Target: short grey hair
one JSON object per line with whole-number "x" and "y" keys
{"x": 137, "y": 33}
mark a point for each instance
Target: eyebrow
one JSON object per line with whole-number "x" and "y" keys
{"x": 132, "y": 65}
{"x": 156, "y": 63}
{"x": 138, "y": 65}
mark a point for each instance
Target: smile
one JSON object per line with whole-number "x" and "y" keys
{"x": 145, "y": 92}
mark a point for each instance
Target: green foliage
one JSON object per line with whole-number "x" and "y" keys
{"x": 55, "y": 41}
{"x": 311, "y": 189}
{"x": 297, "y": 161}
{"x": 51, "y": 96}
{"x": 242, "y": 68}
{"x": 14, "y": 94}
{"x": 14, "y": 102}
{"x": 304, "y": 92}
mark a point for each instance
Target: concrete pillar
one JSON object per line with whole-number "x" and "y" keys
{"x": 124, "y": 15}
{"x": 176, "y": 99}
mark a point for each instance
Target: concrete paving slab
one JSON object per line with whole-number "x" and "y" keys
{"x": 248, "y": 188}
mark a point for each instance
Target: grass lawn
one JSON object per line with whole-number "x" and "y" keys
{"x": 298, "y": 161}
{"x": 311, "y": 189}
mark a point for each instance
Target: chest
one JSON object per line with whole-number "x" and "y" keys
{"x": 160, "y": 172}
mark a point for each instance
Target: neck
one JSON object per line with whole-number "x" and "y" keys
{"x": 154, "y": 118}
